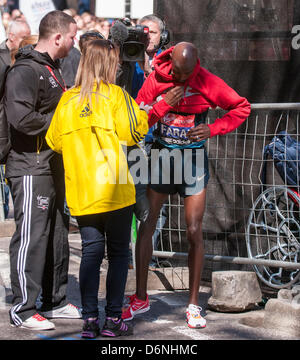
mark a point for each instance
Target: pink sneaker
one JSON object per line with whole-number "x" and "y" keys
{"x": 135, "y": 307}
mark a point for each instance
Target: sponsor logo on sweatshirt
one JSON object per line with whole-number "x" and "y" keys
{"x": 53, "y": 83}
{"x": 42, "y": 202}
{"x": 190, "y": 92}
{"x": 86, "y": 111}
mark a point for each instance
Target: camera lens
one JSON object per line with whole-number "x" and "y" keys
{"x": 132, "y": 50}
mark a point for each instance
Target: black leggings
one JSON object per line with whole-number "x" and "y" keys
{"x": 116, "y": 225}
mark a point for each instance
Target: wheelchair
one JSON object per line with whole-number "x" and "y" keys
{"x": 273, "y": 226}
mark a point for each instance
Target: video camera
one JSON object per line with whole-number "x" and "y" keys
{"x": 131, "y": 39}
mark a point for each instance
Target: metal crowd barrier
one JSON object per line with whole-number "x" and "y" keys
{"x": 236, "y": 231}
{"x": 238, "y": 156}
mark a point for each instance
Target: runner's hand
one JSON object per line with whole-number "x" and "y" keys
{"x": 199, "y": 133}
{"x": 174, "y": 95}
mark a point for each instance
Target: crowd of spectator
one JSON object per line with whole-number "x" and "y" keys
{"x": 85, "y": 21}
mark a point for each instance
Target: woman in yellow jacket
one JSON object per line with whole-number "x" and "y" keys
{"x": 92, "y": 123}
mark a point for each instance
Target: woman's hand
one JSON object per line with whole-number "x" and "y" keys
{"x": 145, "y": 107}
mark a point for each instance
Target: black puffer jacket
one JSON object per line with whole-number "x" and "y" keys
{"x": 31, "y": 96}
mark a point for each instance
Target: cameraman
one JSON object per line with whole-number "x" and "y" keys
{"x": 131, "y": 76}
{"x": 154, "y": 47}
{"x": 158, "y": 38}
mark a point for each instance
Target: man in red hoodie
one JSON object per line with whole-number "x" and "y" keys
{"x": 179, "y": 93}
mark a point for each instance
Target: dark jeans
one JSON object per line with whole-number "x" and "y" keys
{"x": 115, "y": 226}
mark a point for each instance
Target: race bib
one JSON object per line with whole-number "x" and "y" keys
{"x": 173, "y": 128}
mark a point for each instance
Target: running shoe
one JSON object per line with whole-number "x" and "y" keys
{"x": 193, "y": 317}
{"x": 68, "y": 311}
{"x": 113, "y": 328}
{"x": 36, "y": 322}
{"x": 90, "y": 329}
{"x": 135, "y": 307}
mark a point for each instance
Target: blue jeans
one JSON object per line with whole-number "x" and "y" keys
{"x": 5, "y": 192}
{"x": 116, "y": 225}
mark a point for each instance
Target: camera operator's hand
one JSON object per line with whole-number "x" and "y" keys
{"x": 199, "y": 133}
{"x": 147, "y": 67}
{"x": 174, "y": 95}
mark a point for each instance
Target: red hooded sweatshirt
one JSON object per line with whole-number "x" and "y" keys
{"x": 202, "y": 90}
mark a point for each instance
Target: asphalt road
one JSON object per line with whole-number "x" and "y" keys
{"x": 154, "y": 331}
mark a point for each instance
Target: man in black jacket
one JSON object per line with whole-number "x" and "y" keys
{"x": 39, "y": 251}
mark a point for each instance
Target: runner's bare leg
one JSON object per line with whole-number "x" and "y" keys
{"x": 194, "y": 207}
{"x": 144, "y": 248}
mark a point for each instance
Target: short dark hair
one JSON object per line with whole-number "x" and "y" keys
{"x": 55, "y": 21}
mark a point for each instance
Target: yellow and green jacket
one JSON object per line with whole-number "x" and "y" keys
{"x": 90, "y": 136}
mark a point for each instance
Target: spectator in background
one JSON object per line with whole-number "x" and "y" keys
{"x": 72, "y": 12}
{"x": 88, "y": 20}
{"x": 3, "y": 6}
{"x": 60, "y": 4}
{"x": 103, "y": 26}
{"x": 80, "y": 29}
{"x": 12, "y": 4}
{"x": 17, "y": 31}
{"x": 73, "y": 4}
{"x": 84, "y": 6}
{"x": 3, "y": 21}
{"x": 6, "y": 19}
{"x": 17, "y": 14}
{"x": 28, "y": 40}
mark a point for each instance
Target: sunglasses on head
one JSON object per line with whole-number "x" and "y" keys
{"x": 94, "y": 34}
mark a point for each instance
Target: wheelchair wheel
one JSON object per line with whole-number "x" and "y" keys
{"x": 273, "y": 233}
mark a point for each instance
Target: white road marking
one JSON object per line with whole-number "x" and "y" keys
{"x": 162, "y": 321}
{"x": 194, "y": 334}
